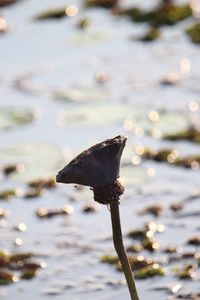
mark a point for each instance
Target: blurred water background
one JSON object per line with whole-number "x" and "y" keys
{"x": 64, "y": 88}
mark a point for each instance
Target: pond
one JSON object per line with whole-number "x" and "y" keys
{"x": 67, "y": 83}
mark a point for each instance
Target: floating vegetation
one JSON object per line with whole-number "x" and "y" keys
{"x": 9, "y": 194}
{"x": 171, "y": 288}
{"x": 154, "y": 210}
{"x": 191, "y": 134}
{"x": 176, "y": 206}
{"x": 47, "y": 214}
{"x": 45, "y": 183}
{"x": 14, "y": 260}
{"x": 137, "y": 262}
{"x": 152, "y": 34}
{"x": 162, "y": 15}
{"x": 134, "y": 248}
{"x": 191, "y": 256}
{"x": 81, "y": 93}
{"x": 33, "y": 193}
{"x": 172, "y": 249}
{"x": 86, "y": 116}
{"x": 30, "y": 272}
{"x": 83, "y": 23}
{"x": 194, "y": 33}
{"x": 171, "y": 156}
{"x": 110, "y": 259}
{"x": 150, "y": 271}
{"x": 7, "y": 2}
{"x": 89, "y": 208}
{"x": 7, "y": 277}
{"x": 11, "y": 117}
{"x": 194, "y": 241}
{"x": 12, "y": 168}
{"x": 58, "y": 13}
{"x": 138, "y": 234}
{"x": 188, "y": 272}
{"x": 145, "y": 236}
{"x": 150, "y": 244}
{"x": 38, "y": 165}
{"x": 19, "y": 262}
{"x": 148, "y": 231}
{"x": 101, "y": 3}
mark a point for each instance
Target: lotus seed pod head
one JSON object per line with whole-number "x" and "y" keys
{"x": 97, "y": 166}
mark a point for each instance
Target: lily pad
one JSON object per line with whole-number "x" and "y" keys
{"x": 40, "y": 160}
{"x": 168, "y": 121}
{"x": 134, "y": 118}
{"x": 82, "y": 93}
{"x": 96, "y": 114}
{"x": 12, "y": 117}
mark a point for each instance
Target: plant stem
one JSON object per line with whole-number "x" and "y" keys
{"x": 119, "y": 247}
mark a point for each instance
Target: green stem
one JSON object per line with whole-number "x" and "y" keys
{"x": 119, "y": 247}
